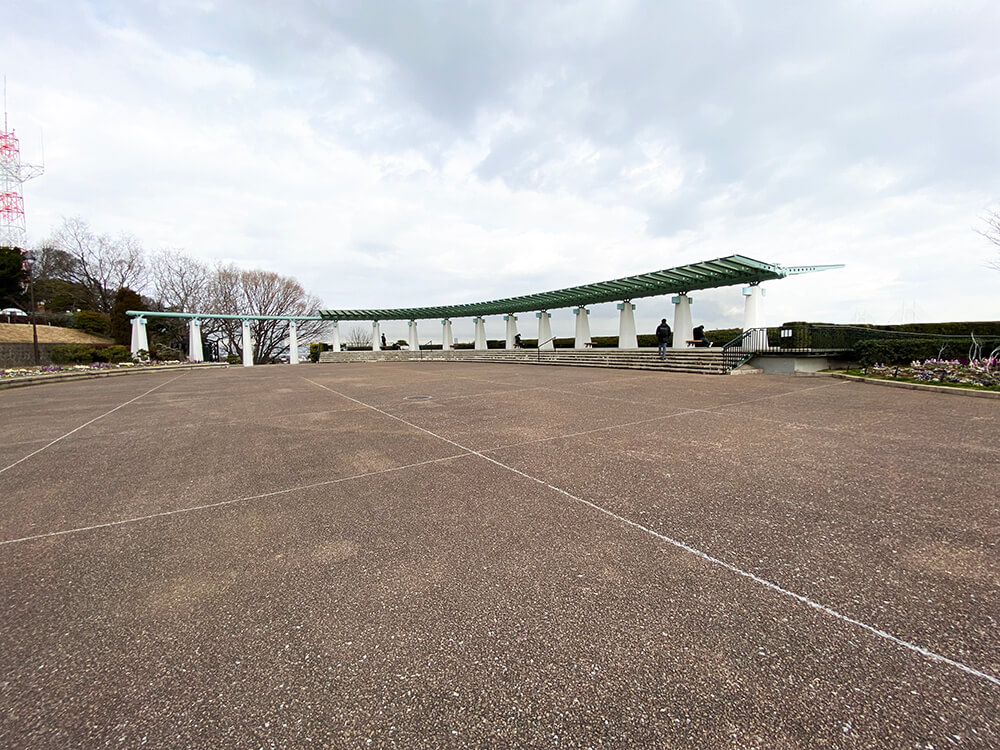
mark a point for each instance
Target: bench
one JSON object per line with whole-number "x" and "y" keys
{"x": 588, "y": 344}
{"x": 698, "y": 342}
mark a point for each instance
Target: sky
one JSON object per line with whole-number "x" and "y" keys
{"x": 411, "y": 153}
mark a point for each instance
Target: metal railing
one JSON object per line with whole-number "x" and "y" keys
{"x": 539, "y": 347}
{"x": 752, "y": 341}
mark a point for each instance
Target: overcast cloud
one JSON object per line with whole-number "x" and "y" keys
{"x": 390, "y": 154}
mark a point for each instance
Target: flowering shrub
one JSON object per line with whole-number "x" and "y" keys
{"x": 978, "y": 372}
{"x": 24, "y": 372}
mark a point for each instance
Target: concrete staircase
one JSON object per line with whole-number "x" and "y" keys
{"x": 706, "y": 361}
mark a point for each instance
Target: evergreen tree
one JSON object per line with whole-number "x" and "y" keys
{"x": 121, "y": 324}
{"x": 13, "y": 277}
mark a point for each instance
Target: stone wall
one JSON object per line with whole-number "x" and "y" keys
{"x": 23, "y": 355}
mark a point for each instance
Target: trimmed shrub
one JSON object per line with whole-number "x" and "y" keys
{"x": 168, "y": 353}
{"x": 604, "y": 342}
{"x": 233, "y": 359}
{"x": 316, "y": 348}
{"x": 72, "y": 354}
{"x": 722, "y": 336}
{"x": 112, "y": 354}
{"x": 90, "y": 321}
{"x": 904, "y": 351}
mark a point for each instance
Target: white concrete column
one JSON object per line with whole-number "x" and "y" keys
{"x": 293, "y": 343}
{"x": 511, "y": 329}
{"x": 414, "y": 337}
{"x": 247, "y": 344}
{"x": 626, "y": 327}
{"x": 139, "y": 340}
{"x": 195, "y": 351}
{"x": 683, "y": 327}
{"x": 480, "y": 339}
{"x": 376, "y": 336}
{"x": 582, "y": 327}
{"x": 446, "y": 337}
{"x": 545, "y": 330}
{"x": 753, "y": 310}
{"x": 336, "y": 335}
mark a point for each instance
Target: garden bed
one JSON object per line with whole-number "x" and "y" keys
{"x": 980, "y": 375}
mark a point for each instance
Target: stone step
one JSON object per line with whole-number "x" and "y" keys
{"x": 695, "y": 361}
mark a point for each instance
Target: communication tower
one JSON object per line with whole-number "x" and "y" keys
{"x": 13, "y": 174}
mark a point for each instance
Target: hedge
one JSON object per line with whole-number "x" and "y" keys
{"x": 903, "y": 351}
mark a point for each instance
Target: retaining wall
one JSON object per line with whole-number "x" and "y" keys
{"x": 23, "y": 355}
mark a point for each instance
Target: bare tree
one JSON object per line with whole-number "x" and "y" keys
{"x": 358, "y": 337}
{"x": 262, "y": 293}
{"x": 992, "y": 232}
{"x": 181, "y": 282}
{"x": 180, "y": 285}
{"x": 53, "y": 263}
{"x": 103, "y": 264}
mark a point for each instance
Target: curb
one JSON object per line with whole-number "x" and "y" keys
{"x": 63, "y": 377}
{"x": 918, "y": 386}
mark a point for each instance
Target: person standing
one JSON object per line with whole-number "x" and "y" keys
{"x": 384, "y": 346}
{"x": 662, "y": 337}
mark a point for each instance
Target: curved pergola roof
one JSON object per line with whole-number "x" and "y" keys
{"x": 709, "y": 274}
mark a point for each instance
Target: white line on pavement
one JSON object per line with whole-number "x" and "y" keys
{"x": 221, "y": 503}
{"x": 102, "y": 416}
{"x": 694, "y": 551}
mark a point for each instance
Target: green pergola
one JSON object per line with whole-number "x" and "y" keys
{"x": 709, "y": 274}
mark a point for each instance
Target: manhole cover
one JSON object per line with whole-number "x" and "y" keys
{"x": 416, "y": 398}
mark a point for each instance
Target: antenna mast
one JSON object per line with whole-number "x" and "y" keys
{"x": 13, "y": 175}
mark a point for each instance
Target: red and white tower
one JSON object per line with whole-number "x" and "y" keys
{"x": 13, "y": 174}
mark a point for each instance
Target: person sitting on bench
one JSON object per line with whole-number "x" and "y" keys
{"x": 698, "y": 336}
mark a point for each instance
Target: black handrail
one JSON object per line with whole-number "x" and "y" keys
{"x": 743, "y": 347}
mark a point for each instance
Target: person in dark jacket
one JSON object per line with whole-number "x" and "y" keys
{"x": 663, "y": 338}
{"x": 699, "y": 336}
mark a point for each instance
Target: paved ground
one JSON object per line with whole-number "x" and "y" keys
{"x": 310, "y": 556}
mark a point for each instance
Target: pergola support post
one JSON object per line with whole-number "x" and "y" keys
{"x": 336, "y": 335}
{"x": 511, "y": 329}
{"x": 195, "y": 351}
{"x": 446, "y": 337}
{"x": 414, "y": 338}
{"x": 753, "y": 308}
{"x": 582, "y": 327}
{"x": 626, "y": 326}
{"x": 683, "y": 328}
{"x": 545, "y": 330}
{"x": 247, "y": 344}
{"x": 376, "y": 336}
{"x": 480, "y": 338}
{"x": 140, "y": 342}
{"x": 293, "y": 343}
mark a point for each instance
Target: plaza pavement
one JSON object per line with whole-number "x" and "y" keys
{"x": 434, "y": 555}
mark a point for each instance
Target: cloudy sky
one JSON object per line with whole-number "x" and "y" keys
{"x": 402, "y": 153}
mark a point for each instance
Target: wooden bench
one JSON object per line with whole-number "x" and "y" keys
{"x": 588, "y": 344}
{"x": 698, "y": 342}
